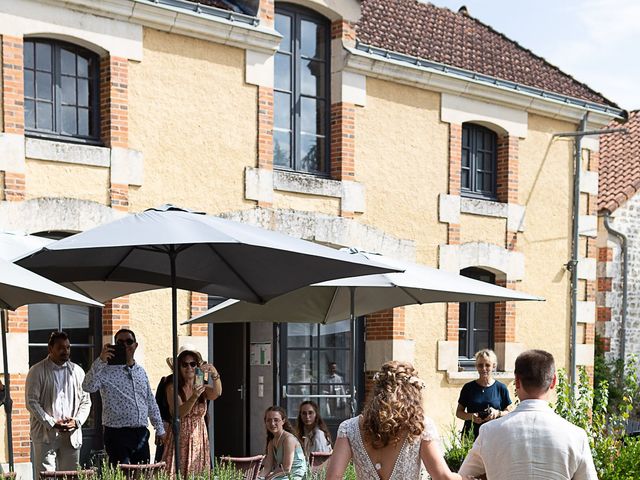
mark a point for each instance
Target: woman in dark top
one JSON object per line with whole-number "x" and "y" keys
{"x": 484, "y": 399}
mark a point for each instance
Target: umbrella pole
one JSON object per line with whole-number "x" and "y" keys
{"x": 176, "y": 368}
{"x": 354, "y": 356}
{"x": 7, "y": 389}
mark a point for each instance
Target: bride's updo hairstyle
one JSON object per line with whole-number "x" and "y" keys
{"x": 396, "y": 405}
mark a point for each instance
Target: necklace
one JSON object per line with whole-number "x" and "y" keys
{"x": 277, "y": 441}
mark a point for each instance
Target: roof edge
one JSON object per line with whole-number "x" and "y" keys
{"x": 468, "y": 75}
{"x": 533, "y": 54}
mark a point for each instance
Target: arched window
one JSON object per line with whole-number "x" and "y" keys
{"x": 301, "y": 106}
{"x": 476, "y": 321}
{"x": 479, "y": 162}
{"x": 61, "y": 91}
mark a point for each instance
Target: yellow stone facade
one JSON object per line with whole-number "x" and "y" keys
{"x": 193, "y": 108}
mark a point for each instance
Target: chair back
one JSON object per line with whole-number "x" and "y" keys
{"x": 68, "y": 474}
{"x": 249, "y": 465}
{"x": 317, "y": 460}
{"x": 141, "y": 471}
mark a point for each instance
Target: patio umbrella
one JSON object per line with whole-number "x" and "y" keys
{"x": 19, "y": 287}
{"x": 343, "y": 298}
{"x": 16, "y": 244}
{"x": 172, "y": 247}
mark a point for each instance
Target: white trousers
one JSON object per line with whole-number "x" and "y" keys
{"x": 55, "y": 455}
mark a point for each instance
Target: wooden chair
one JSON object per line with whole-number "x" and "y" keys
{"x": 68, "y": 474}
{"x": 141, "y": 470}
{"x": 317, "y": 460}
{"x": 249, "y": 465}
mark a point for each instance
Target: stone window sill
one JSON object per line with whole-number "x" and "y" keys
{"x": 260, "y": 183}
{"x": 487, "y": 208}
{"x": 54, "y": 151}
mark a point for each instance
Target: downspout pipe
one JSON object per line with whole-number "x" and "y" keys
{"x": 575, "y": 242}
{"x": 625, "y": 281}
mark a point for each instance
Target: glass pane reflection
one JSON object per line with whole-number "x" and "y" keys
{"x": 312, "y": 78}
{"x": 302, "y": 366}
{"x": 312, "y": 39}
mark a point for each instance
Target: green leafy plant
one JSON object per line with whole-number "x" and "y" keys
{"x": 604, "y": 420}
{"x": 457, "y": 446}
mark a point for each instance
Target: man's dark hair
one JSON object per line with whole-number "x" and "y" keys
{"x": 57, "y": 336}
{"x": 535, "y": 369}
{"x": 125, "y": 330}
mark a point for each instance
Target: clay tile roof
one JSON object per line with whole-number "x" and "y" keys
{"x": 433, "y": 33}
{"x": 619, "y": 169}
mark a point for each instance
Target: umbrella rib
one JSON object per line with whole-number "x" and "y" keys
{"x": 413, "y": 297}
{"x": 333, "y": 301}
{"x": 117, "y": 265}
{"x": 233, "y": 270}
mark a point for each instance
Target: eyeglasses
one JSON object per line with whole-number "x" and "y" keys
{"x": 128, "y": 341}
{"x": 189, "y": 364}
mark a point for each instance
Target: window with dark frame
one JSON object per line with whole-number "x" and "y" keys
{"x": 61, "y": 91}
{"x": 476, "y": 322}
{"x": 479, "y": 162}
{"x": 301, "y": 106}
{"x": 316, "y": 360}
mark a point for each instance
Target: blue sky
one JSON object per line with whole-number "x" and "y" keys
{"x": 595, "y": 41}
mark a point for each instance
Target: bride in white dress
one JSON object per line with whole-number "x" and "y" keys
{"x": 392, "y": 437}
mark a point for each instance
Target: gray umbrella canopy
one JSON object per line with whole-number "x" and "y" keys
{"x": 19, "y": 286}
{"x": 172, "y": 247}
{"x": 330, "y": 301}
{"x": 15, "y": 245}
{"x": 213, "y": 255}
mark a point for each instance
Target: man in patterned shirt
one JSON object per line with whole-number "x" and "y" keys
{"x": 127, "y": 403}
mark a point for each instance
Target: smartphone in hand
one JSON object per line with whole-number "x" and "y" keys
{"x": 119, "y": 355}
{"x": 199, "y": 380}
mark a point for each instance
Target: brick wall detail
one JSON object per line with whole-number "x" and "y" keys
{"x": 386, "y": 325}
{"x": 20, "y": 420}
{"x": 266, "y": 12}
{"x": 455, "y": 158}
{"x": 343, "y": 141}
{"x": 625, "y": 219}
{"x": 18, "y": 322}
{"x": 115, "y": 315}
{"x": 13, "y": 84}
{"x": 14, "y": 185}
{"x": 505, "y": 317}
{"x": 199, "y": 305}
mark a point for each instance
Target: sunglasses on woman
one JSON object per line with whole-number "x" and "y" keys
{"x": 189, "y": 364}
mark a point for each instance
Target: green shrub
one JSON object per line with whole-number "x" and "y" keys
{"x": 591, "y": 408}
{"x": 457, "y": 446}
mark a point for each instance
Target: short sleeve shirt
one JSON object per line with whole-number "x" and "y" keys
{"x": 475, "y": 398}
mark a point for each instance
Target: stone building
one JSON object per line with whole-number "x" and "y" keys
{"x": 389, "y": 125}
{"x": 619, "y": 231}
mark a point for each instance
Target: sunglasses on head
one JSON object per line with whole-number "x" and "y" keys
{"x": 128, "y": 341}
{"x": 189, "y": 364}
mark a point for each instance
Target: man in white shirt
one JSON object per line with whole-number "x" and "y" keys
{"x": 532, "y": 442}
{"x": 334, "y": 407}
{"x": 57, "y": 406}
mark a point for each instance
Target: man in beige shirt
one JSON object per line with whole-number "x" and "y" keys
{"x": 532, "y": 442}
{"x": 57, "y": 406}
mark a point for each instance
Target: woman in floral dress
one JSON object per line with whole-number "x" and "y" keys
{"x": 192, "y": 408}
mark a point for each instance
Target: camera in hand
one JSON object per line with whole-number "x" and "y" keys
{"x": 119, "y": 355}
{"x": 484, "y": 413}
